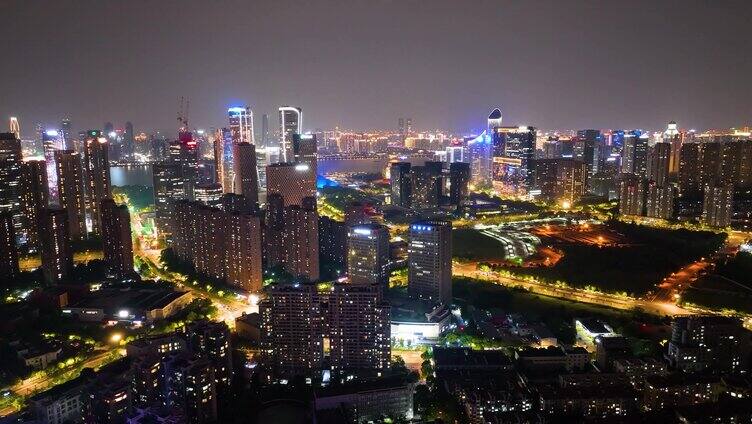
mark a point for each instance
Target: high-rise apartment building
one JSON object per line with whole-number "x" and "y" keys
{"x": 709, "y": 343}
{"x": 35, "y": 198}
{"x": 8, "y": 250}
{"x": 368, "y": 255}
{"x": 292, "y": 181}
{"x": 211, "y": 341}
{"x": 221, "y": 243}
{"x": 634, "y": 155}
{"x": 70, "y": 188}
{"x": 301, "y": 240}
{"x": 10, "y": 179}
{"x": 718, "y": 204}
{"x": 168, "y": 188}
{"x": 560, "y": 180}
{"x": 659, "y": 158}
{"x": 57, "y": 252}
{"x": 631, "y": 195}
{"x": 660, "y": 201}
{"x": 430, "y": 261}
{"x": 116, "y": 238}
{"x": 673, "y": 137}
{"x": 290, "y": 122}
{"x": 359, "y": 328}
{"x": 208, "y": 194}
{"x": 96, "y": 176}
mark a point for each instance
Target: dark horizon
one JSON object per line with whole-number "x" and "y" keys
{"x": 362, "y": 65}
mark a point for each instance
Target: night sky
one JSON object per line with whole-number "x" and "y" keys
{"x": 362, "y": 64}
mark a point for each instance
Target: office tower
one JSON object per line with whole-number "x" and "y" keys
{"x": 184, "y": 153}
{"x": 208, "y": 194}
{"x": 301, "y": 236}
{"x": 222, "y": 243}
{"x": 146, "y": 379}
{"x": 274, "y": 230}
{"x": 494, "y": 120}
{"x": 265, "y": 139}
{"x": 560, "y": 180}
{"x": 634, "y": 155}
{"x": 261, "y": 162}
{"x": 424, "y": 186}
{"x": 304, "y": 150}
{"x": 57, "y": 253}
{"x": 168, "y": 188}
{"x": 401, "y": 184}
{"x": 359, "y": 328}
{"x": 660, "y": 201}
{"x": 246, "y": 174}
{"x": 66, "y": 130}
{"x": 368, "y": 255}
{"x": 116, "y": 238}
{"x": 129, "y": 141}
{"x": 455, "y": 153}
{"x": 8, "y": 251}
{"x": 70, "y": 188}
{"x": 590, "y": 142}
{"x": 10, "y": 179}
{"x": 52, "y": 141}
{"x": 211, "y": 341}
{"x": 333, "y": 242}
{"x": 459, "y": 180}
{"x": 241, "y": 124}
{"x": 718, "y": 205}
{"x": 673, "y": 137}
{"x": 401, "y": 126}
{"x": 479, "y": 155}
{"x": 96, "y": 177}
{"x": 709, "y": 343}
{"x": 35, "y": 198}
{"x": 513, "y": 153}
{"x": 292, "y": 181}
{"x": 430, "y": 261}
{"x": 223, "y": 151}
{"x": 659, "y": 157}
{"x": 290, "y": 122}
{"x": 14, "y": 127}
{"x": 631, "y": 195}
{"x": 293, "y": 326}
{"x": 408, "y": 126}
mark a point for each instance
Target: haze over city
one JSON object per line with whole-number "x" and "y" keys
{"x": 361, "y": 64}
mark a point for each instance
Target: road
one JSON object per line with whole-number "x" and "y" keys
{"x": 469, "y": 269}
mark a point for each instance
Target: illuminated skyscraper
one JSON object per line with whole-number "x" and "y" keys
{"x": 513, "y": 154}
{"x": 430, "y": 261}
{"x": 15, "y": 128}
{"x": 301, "y": 236}
{"x": 265, "y": 136}
{"x": 425, "y": 187}
{"x": 52, "y": 141}
{"x": 66, "y": 131}
{"x": 8, "y": 251}
{"x": 674, "y": 138}
{"x": 70, "y": 187}
{"x": 208, "y": 194}
{"x": 718, "y": 204}
{"x": 290, "y": 122}
{"x": 459, "y": 179}
{"x": 57, "y": 253}
{"x": 660, "y": 201}
{"x": 368, "y": 255}
{"x": 129, "y": 142}
{"x": 560, "y": 180}
{"x": 304, "y": 150}
{"x": 479, "y": 155}
{"x": 634, "y": 156}
{"x": 631, "y": 195}
{"x": 35, "y": 198}
{"x": 168, "y": 188}
{"x": 241, "y": 124}
{"x": 10, "y": 179}
{"x": 494, "y": 119}
{"x": 96, "y": 177}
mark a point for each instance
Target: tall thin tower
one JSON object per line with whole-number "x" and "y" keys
{"x": 14, "y": 127}
{"x": 290, "y": 122}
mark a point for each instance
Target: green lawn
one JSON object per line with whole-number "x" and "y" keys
{"x": 471, "y": 245}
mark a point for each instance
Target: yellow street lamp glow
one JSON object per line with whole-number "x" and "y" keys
{"x": 115, "y": 338}
{"x": 566, "y": 204}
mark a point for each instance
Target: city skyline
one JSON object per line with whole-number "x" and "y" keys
{"x": 571, "y": 65}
